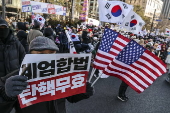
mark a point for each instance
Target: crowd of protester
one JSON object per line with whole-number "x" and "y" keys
{"x": 86, "y": 39}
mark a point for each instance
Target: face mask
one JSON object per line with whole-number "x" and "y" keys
{"x": 4, "y": 32}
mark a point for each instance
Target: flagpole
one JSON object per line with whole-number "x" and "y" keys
{"x": 96, "y": 79}
{"x": 152, "y": 21}
{"x": 92, "y": 73}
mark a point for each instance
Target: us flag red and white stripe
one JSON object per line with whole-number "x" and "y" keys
{"x": 111, "y": 45}
{"x": 136, "y": 66}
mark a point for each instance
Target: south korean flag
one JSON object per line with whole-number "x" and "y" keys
{"x": 40, "y": 19}
{"x": 113, "y": 11}
{"x": 133, "y": 23}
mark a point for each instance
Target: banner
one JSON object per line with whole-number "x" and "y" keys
{"x": 113, "y": 11}
{"x": 26, "y": 6}
{"x": 133, "y": 22}
{"x": 53, "y": 76}
{"x": 84, "y": 14}
{"x": 92, "y": 21}
{"x": 40, "y": 7}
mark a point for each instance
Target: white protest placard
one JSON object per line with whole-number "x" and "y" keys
{"x": 53, "y": 76}
{"x": 26, "y": 6}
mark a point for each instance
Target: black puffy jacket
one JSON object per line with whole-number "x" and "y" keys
{"x": 11, "y": 55}
{"x": 22, "y": 37}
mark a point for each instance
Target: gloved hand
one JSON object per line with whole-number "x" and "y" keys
{"x": 89, "y": 89}
{"x": 15, "y": 85}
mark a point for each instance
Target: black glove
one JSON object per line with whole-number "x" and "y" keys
{"x": 15, "y": 85}
{"x": 79, "y": 97}
{"x": 89, "y": 90}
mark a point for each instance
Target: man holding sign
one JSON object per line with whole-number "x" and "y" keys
{"x": 38, "y": 95}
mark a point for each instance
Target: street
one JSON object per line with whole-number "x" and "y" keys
{"x": 155, "y": 99}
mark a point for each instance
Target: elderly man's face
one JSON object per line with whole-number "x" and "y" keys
{"x": 43, "y": 52}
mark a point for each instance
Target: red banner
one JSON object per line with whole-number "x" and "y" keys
{"x": 53, "y": 88}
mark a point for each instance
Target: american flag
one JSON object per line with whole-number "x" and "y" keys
{"x": 111, "y": 45}
{"x": 136, "y": 66}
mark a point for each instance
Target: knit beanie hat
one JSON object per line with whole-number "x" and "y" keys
{"x": 48, "y": 32}
{"x": 42, "y": 43}
{"x": 21, "y": 26}
{"x": 3, "y": 22}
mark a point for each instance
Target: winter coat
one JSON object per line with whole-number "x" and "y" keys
{"x": 63, "y": 38}
{"x": 163, "y": 55}
{"x": 85, "y": 37}
{"x": 33, "y": 34}
{"x": 22, "y": 37}
{"x": 11, "y": 55}
{"x": 48, "y": 32}
{"x": 54, "y": 106}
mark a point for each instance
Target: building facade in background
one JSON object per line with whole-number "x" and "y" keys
{"x": 93, "y": 9}
{"x": 166, "y": 9}
{"x": 13, "y": 7}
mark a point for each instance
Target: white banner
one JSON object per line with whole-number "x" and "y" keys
{"x": 39, "y": 7}
{"x": 92, "y": 21}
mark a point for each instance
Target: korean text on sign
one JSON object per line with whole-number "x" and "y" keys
{"x": 53, "y": 77}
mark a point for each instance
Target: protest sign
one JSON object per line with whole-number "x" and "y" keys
{"x": 53, "y": 76}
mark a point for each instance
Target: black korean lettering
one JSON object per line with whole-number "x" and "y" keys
{"x": 108, "y": 16}
{"x": 43, "y": 67}
{"x": 62, "y": 70}
{"x": 63, "y": 62}
{"x": 27, "y": 70}
{"x": 107, "y": 5}
{"x": 70, "y": 61}
{"x": 81, "y": 63}
{"x": 64, "y": 65}
{"x": 127, "y": 24}
{"x": 34, "y": 67}
{"x": 125, "y": 6}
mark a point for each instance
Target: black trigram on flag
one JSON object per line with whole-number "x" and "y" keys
{"x": 108, "y": 16}
{"x": 107, "y": 5}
